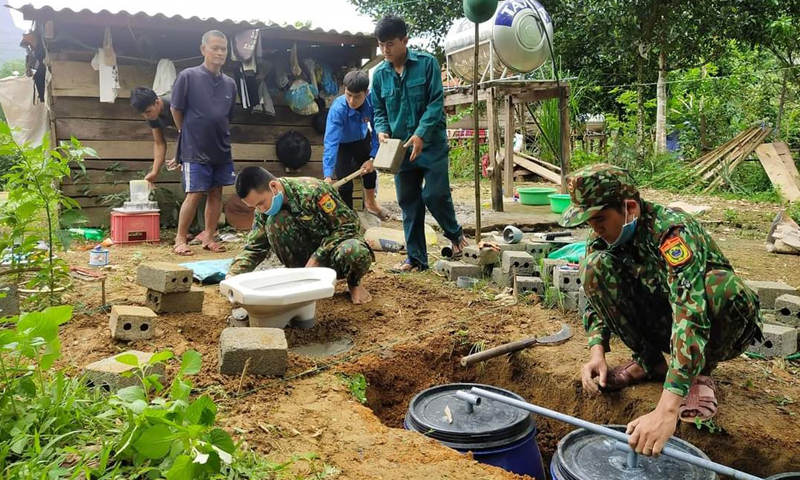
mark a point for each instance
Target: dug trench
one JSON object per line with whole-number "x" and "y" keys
{"x": 411, "y": 337}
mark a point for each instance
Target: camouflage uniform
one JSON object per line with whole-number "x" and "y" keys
{"x": 669, "y": 289}
{"x": 315, "y": 222}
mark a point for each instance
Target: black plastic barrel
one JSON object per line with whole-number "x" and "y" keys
{"x": 583, "y": 455}
{"x": 496, "y": 433}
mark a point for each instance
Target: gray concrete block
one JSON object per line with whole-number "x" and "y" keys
{"x": 768, "y": 292}
{"x": 779, "y": 341}
{"x": 131, "y": 323}
{"x": 454, "y": 269}
{"x": 568, "y": 301}
{"x": 9, "y": 304}
{"x": 480, "y": 256}
{"x": 266, "y": 349}
{"x": 179, "y": 302}
{"x": 539, "y": 249}
{"x": 566, "y": 279}
{"x": 787, "y": 308}
{"x": 500, "y": 241}
{"x": 501, "y": 278}
{"x": 107, "y": 373}
{"x": 164, "y": 277}
{"x": 582, "y": 302}
{"x": 529, "y": 286}
{"x": 520, "y": 262}
{"x": 548, "y": 265}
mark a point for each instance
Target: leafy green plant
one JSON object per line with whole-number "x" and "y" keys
{"x": 37, "y": 215}
{"x": 357, "y": 385}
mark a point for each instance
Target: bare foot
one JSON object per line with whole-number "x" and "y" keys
{"x": 359, "y": 295}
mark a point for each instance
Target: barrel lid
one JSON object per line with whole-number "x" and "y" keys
{"x": 583, "y": 455}
{"x": 490, "y": 425}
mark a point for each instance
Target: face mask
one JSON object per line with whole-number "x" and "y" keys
{"x": 626, "y": 234}
{"x": 277, "y": 203}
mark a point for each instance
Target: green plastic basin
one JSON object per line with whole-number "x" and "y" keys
{"x": 534, "y": 195}
{"x": 559, "y": 202}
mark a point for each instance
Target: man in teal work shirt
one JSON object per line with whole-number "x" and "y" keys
{"x": 408, "y": 100}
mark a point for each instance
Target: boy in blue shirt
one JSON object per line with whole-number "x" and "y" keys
{"x": 349, "y": 145}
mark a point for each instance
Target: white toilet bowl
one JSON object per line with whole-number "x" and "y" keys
{"x": 274, "y": 298}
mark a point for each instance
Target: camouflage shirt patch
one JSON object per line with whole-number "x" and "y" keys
{"x": 327, "y": 204}
{"x": 676, "y": 252}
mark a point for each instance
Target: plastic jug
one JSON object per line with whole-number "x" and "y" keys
{"x": 140, "y": 192}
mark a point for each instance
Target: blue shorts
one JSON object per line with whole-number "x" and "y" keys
{"x": 202, "y": 177}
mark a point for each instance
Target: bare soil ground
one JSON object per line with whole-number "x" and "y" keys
{"x": 412, "y": 337}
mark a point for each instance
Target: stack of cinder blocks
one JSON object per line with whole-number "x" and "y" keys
{"x": 169, "y": 288}
{"x": 780, "y": 304}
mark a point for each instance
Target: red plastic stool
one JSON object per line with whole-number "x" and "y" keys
{"x": 135, "y": 227}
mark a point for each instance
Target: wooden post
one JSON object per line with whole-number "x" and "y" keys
{"x": 508, "y": 169}
{"x": 563, "y": 108}
{"x": 493, "y": 132}
{"x": 476, "y": 136}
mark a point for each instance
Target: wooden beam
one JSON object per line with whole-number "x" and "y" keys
{"x": 452, "y": 99}
{"x": 536, "y": 95}
{"x": 563, "y": 108}
{"x": 496, "y": 179}
{"x": 96, "y": 129}
{"x": 143, "y": 150}
{"x": 548, "y": 175}
{"x": 367, "y": 66}
{"x": 541, "y": 162}
{"x": 508, "y": 168}
{"x": 77, "y": 79}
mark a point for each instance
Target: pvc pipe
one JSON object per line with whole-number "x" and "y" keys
{"x": 469, "y": 399}
{"x": 608, "y": 432}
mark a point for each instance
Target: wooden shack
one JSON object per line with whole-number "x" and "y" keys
{"x": 118, "y": 133}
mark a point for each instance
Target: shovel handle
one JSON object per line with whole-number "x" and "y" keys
{"x": 348, "y": 178}
{"x": 497, "y": 351}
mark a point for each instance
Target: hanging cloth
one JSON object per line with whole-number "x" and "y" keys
{"x": 265, "y": 104}
{"x": 105, "y": 62}
{"x": 165, "y": 77}
{"x": 247, "y": 48}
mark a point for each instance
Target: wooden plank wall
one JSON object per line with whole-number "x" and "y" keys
{"x": 124, "y": 141}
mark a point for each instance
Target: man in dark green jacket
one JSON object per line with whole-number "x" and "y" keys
{"x": 408, "y": 99}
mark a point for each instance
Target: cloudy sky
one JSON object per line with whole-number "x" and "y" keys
{"x": 328, "y": 14}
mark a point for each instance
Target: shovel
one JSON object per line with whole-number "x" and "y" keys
{"x": 562, "y": 336}
{"x": 348, "y": 178}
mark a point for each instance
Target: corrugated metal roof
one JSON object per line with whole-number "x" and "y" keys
{"x": 33, "y": 10}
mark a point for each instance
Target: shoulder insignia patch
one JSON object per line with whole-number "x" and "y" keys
{"x": 327, "y": 203}
{"x": 676, "y": 252}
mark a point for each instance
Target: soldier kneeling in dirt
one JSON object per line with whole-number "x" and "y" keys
{"x": 655, "y": 278}
{"x": 306, "y": 223}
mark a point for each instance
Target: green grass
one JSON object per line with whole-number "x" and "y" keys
{"x": 357, "y": 385}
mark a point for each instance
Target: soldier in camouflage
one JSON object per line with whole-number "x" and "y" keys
{"x": 656, "y": 279}
{"x": 306, "y": 223}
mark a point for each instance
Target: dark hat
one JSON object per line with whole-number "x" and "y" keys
{"x": 293, "y": 149}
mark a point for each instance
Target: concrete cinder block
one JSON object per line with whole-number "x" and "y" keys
{"x": 529, "y": 286}
{"x": 266, "y": 348}
{"x": 566, "y": 278}
{"x": 164, "y": 277}
{"x": 131, "y": 323}
{"x": 180, "y": 302}
{"x": 520, "y": 262}
{"x": 582, "y": 302}
{"x": 107, "y": 373}
{"x": 481, "y": 256}
{"x": 768, "y": 292}
{"x": 548, "y": 265}
{"x": 779, "y": 341}
{"x": 787, "y": 309}
{"x": 539, "y": 249}
{"x": 569, "y": 301}
{"x": 9, "y": 304}
{"x": 454, "y": 269}
{"x": 501, "y": 278}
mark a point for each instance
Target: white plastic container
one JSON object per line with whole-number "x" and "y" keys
{"x": 98, "y": 257}
{"x": 140, "y": 191}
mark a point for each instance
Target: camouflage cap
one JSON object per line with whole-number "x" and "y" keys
{"x": 592, "y": 188}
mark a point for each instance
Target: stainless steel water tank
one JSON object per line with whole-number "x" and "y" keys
{"x": 516, "y": 33}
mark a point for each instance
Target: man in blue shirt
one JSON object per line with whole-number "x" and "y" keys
{"x": 349, "y": 145}
{"x": 202, "y": 106}
{"x": 408, "y": 98}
